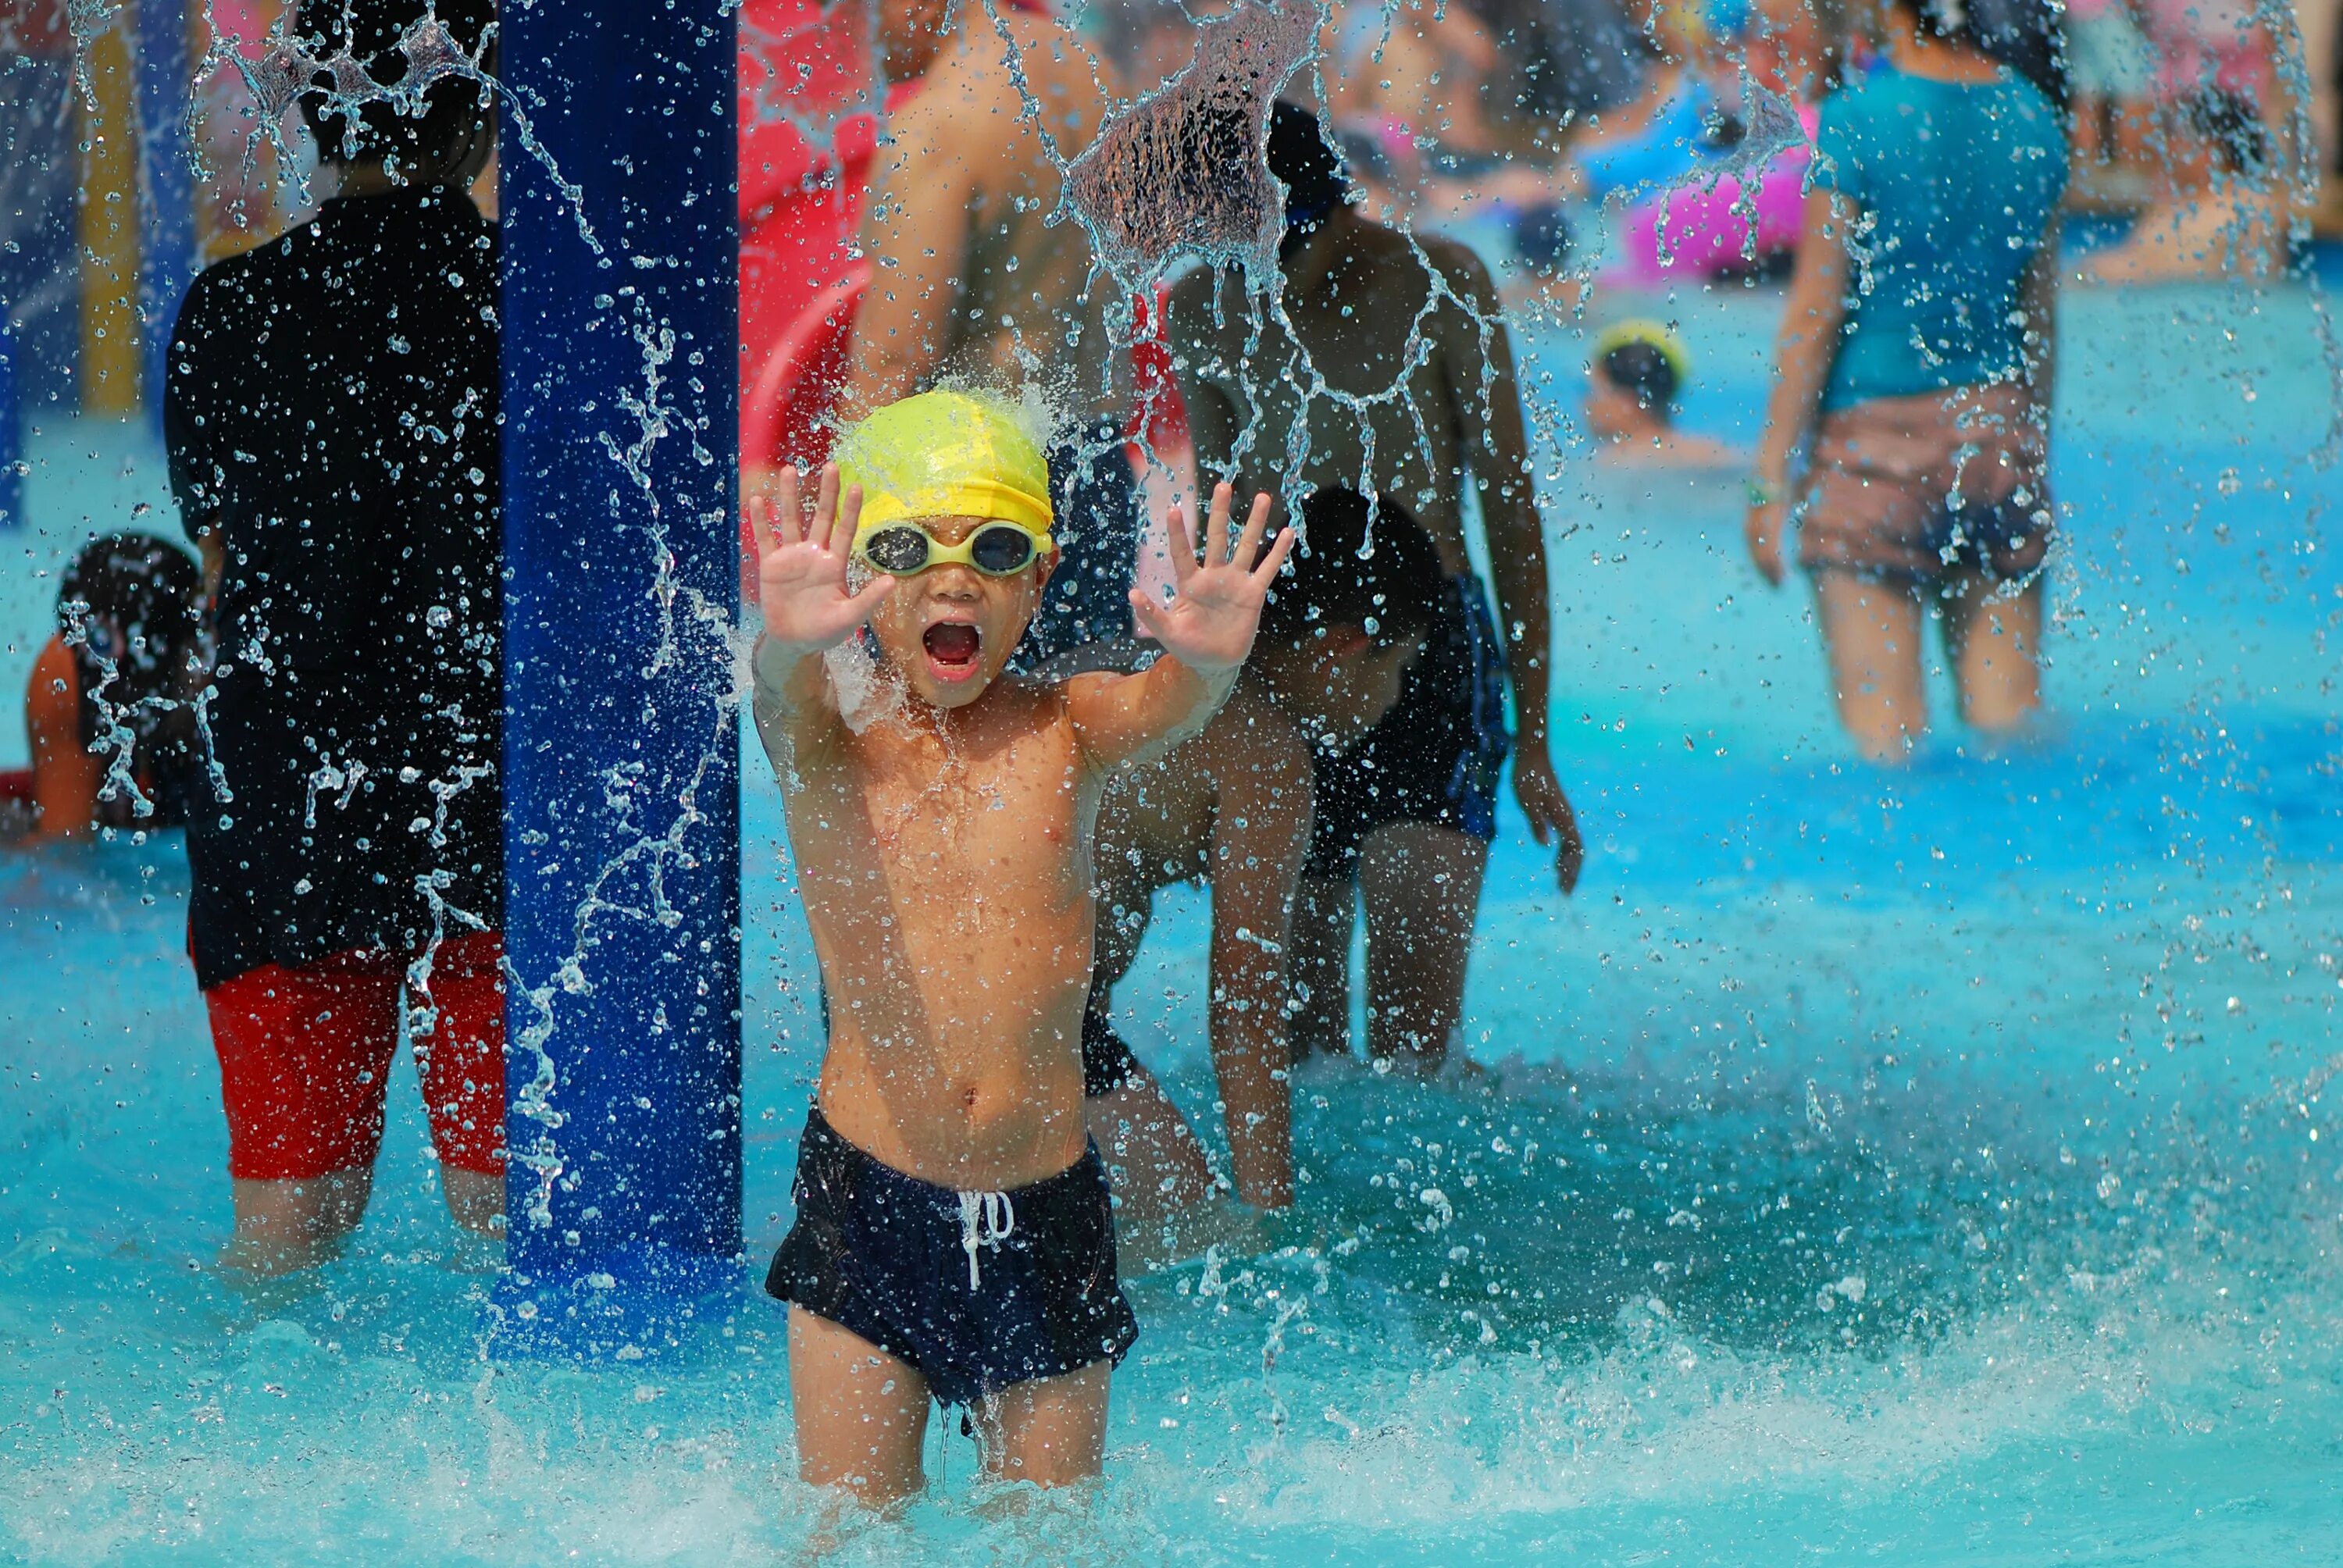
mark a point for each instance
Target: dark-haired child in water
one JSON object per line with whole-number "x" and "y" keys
{"x": 953, "y": 1239}
{"x": 1638, "y": 371}
{"x": 125, "y": 661}
{"x": 1403, "y": 818}
{"x": 1232, "y": 806}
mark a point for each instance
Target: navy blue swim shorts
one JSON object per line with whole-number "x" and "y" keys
{"x": 978, "y": 1291}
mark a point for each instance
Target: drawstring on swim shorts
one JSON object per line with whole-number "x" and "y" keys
{"x": 986, "y": 1218}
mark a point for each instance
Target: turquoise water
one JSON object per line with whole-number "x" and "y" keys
{"x": 1932, "y": 1168}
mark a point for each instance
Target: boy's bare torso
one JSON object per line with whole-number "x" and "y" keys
{"x": 946, "y": 874}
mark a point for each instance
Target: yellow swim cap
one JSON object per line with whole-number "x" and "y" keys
{"x": 946, "y": 455}
{"x": 1651, "y": 335}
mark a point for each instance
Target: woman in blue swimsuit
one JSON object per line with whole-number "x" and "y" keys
{"x": 1915, "y": 355}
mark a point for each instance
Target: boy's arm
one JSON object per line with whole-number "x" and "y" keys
{"x": 801, "y": 582}
{"x": 1478, "y": 362}
{"x": 1260, "y": 833}
{"x": 1205, "y": 632}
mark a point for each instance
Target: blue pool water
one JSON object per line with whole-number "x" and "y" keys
{"x": 1930, "y": 1168}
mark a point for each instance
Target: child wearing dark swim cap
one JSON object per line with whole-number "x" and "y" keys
{"x": 953, "y": 1240}
{"x": 106, "y": 712}
{"x": 1638, "y": 372}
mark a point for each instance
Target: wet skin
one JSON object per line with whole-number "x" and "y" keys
{"x": 1231, "y": 807}
{"x": 970, "y": 275}
{"x": 940, "y": 823}
{"x": 940, "y": 816}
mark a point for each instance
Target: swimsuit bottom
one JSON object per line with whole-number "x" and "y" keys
{"x": 1435, "y": 756}
{"x": 305, "y": 1059}
{"x": 1106, "y": 1061}
{"x": 1926, "y": 487}
{"x": 978, "y": 1291}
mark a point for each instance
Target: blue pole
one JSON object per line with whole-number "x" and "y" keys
{"x": 621, "y": 751}
{"x": 166, "y": 189}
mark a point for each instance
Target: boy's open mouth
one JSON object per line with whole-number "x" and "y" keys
{"x": 952, "y": 648}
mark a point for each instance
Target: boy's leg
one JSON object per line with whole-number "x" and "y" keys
{"x": 284, "y": 1226}
{"x": 1995, "y": 641}
{"x": 304, "y": 1055}
{"x": 1422, "y": 886}
{"x": 1050, "y": 1431}
{"x": 1319, "y": 960}
{"x": 1870, "y": 635}
{"x": 461, "y": 1061}
{"x": 861, "y": 1414}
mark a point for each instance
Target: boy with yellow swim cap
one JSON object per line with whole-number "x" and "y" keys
{"x": 953, "y": 1239}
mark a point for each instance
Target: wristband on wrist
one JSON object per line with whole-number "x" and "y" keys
{"x": 1763, "y": 492}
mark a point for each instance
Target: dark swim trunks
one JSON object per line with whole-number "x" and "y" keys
{"x": 978, "y": 1291}
{"x": 1435, "y": 756}
{"x": 1107, "y": 1062}
{"x": 1095, "y": 499}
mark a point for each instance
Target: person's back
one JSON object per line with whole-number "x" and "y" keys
{"x": 972, "y": 283}
{"x": 975, "y": 276}
{"x": 1957, "y": 182}
{"x": 1357, "y": 294}
{"x": 1913, "y": 363}
{"x": 333, "y": 412}
{"x": 334, "y": 416}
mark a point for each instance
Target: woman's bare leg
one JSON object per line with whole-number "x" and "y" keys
{"x": 1325, "y": 914}
{"x": 861, "y": 1414}
{"x": 1995, "y": 641}
{"x": 1872, "y": 636}
{"x": 1050, "y": 1431}
{"x": 1422, "y": 886}
{"x": 1157, "y": 1167}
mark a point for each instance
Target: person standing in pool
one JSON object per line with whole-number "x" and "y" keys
{"x": 332, "y": 412}
{"x": 1404, "y": 816}
{"x": 973, "y": 282}
{"x": 953, "y": 1240}
{"x": 1915, "y": 352}
{"x": 107, "y": 711}
{"x": 1233, "y": 807}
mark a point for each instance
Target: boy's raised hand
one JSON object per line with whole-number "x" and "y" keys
{"x": 801, "y": 575}
{"x": 1216, "y": 603}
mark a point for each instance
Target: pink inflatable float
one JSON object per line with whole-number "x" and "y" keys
{"x": 1708, "y": 228}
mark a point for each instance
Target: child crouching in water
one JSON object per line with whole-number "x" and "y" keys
{"x": 953, "y": 1240}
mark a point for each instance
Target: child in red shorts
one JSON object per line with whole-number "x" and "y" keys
{"x": 348, "y": 847}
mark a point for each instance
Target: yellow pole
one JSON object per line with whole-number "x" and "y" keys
{"x": 109, "y": 229}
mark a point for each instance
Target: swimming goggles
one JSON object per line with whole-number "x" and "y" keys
{"x": 996, "y": 548}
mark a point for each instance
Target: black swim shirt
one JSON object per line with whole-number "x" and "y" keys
{"x": 332, "y": 407}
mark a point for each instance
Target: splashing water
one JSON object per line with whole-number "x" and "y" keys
{"x": 1938, "y": 1168}
{"x": 1184, "y": 173}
